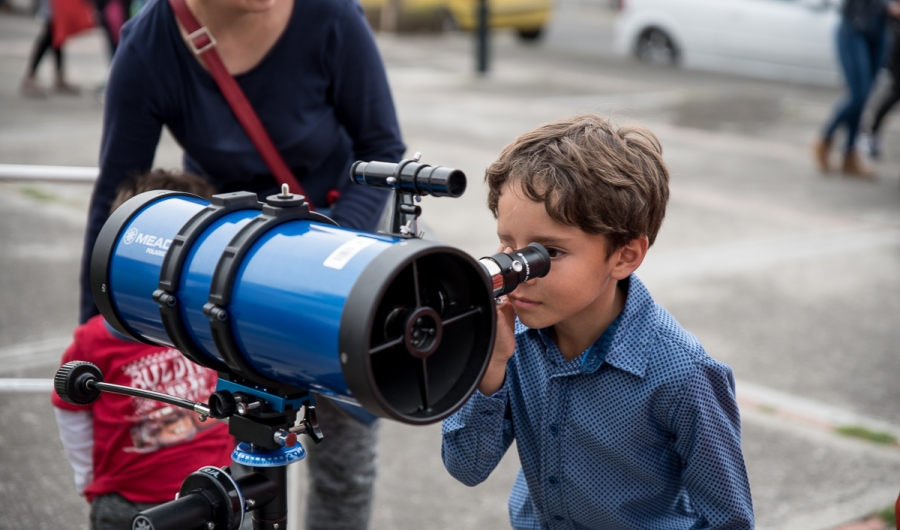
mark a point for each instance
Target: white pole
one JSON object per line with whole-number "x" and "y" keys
{"x": 86, "y": 175}
{"x": 25, "y": 385}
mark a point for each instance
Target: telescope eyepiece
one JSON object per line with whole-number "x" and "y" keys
{"x": 411, "y": 176}
{"x": 507, "y": 271}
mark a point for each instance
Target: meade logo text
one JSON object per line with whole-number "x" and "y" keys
{"x": 133, "y": 235}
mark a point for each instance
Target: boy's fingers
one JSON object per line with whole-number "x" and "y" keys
{"x": 508, "y": 313}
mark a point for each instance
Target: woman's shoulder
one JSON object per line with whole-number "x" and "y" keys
{"x": 148, "y": 28}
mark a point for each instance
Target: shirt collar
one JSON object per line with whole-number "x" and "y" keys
{"x": 115, "y": 333}
{"x": 622, "y": 345}
{"x": 628, "y": 349}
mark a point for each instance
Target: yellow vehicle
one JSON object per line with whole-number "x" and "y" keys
{"x": 526, "y": 17}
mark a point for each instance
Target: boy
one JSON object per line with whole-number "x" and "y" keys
{"x": 130, "y": 454}
{"x": 620, "y": 418}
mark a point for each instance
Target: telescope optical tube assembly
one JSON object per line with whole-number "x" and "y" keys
{"x": 278, "y": 298}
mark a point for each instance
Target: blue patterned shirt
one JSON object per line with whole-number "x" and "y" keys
{"x": 639, "y": 432}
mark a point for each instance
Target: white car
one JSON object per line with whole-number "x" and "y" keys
{"x": 791, "y": 40}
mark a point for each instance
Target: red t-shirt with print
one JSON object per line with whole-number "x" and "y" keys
{"x": 144, "y": 449}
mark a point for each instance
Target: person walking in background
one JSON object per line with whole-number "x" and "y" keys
{"x": 130, "y": 454}
{"x": 31, "y": 87}
{"x": 872, "y": 137}
{"x": 112, "y": 14}
{"x": 860, "y": 45}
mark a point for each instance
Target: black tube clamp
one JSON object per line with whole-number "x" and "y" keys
{"x": 279, "y": 209}
{"x": 170, "y": 272}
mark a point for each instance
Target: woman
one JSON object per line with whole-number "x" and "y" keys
{"x": 313, "y": 75}
{"x": 860, "y": 45}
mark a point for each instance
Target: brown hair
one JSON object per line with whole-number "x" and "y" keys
{"x": 161, "y": 179}
{"x": 589, "y": 174}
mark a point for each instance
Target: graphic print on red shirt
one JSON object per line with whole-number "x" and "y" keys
{"x": 143, "y": 449}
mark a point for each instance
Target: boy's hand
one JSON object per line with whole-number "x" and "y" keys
{"x": 504, "y": 347}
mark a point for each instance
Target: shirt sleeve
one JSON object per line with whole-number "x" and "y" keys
{"x": 707, "y": 427}
{"x": 131, "y": 131}
{"x": 477, "y": 436}
{"x": 364, "y": 106}
{"x": 76, "y": 431}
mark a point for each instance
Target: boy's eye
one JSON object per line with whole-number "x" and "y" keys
{"x": 553, "y": 252}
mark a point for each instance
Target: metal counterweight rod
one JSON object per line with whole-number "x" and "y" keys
{"x": 200, "y": 408}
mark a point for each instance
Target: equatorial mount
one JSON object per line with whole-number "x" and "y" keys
{"x": 211, "y": 497}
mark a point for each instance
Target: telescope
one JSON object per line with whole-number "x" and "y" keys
{"x": 285, "y": 304}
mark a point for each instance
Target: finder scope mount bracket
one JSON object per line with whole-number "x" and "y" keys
{"x": 410, "y": 180}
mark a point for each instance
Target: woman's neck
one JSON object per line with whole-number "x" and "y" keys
{"x": 244, "y": 35}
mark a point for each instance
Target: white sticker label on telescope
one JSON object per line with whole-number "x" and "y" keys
{"x": 344, "y": 253}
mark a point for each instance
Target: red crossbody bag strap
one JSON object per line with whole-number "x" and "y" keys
{"x": 203, "y": 45}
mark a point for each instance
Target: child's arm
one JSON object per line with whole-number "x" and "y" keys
{"x": 477, "y": 436}
{"x": 76, "y": 430}
{"x": 707, "y": 426}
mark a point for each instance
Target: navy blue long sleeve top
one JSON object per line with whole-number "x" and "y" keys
{"x": 321, "y": 93}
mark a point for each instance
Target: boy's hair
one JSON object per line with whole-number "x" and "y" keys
{"x": 604, "y": 180}
{"x": 161, "y": 179}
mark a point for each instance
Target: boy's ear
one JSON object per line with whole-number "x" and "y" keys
{"x": 628, "y": 258}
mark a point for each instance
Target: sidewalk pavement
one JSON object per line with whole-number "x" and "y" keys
{"x": 788, "y": 276}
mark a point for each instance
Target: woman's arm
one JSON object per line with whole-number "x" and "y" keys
{"x": 364, "y": 106}
{"x": 131, "y": 130}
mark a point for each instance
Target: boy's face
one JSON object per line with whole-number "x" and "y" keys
{"x": 580, "y": 287}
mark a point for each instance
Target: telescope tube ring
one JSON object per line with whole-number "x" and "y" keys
{"x": 280, "y": 209}
{"x": 170, "y": 273}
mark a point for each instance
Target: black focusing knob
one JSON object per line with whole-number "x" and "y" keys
{"x": 221, "y": 404}
{"x": 72, "y": 382}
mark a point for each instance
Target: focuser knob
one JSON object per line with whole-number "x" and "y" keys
{"x": 221, "y": 404}
{"x": 74, "y": 382}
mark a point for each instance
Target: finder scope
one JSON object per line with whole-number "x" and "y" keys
{"x": 411, "y": 176}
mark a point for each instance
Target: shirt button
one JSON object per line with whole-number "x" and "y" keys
{"x": 552, "y": 481}
{"x": 559, "y": 517}
{"x": 554, "y": 429}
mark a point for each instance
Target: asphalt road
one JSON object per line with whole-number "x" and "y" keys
{"x": 789, "y": 276}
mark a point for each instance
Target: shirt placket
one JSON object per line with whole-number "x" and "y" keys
{"x": 553, "y": 448}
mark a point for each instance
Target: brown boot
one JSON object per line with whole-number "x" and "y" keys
{"x": 854, "y": 166}
{"x": 821, "y": 149}
{"x": 64, "y": 87}
{"x": 30, "y": 88}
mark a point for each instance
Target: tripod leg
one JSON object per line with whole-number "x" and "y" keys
{"x": 273, "y": 515}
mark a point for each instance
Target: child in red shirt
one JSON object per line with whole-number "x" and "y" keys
{"x": 131, "y": 453}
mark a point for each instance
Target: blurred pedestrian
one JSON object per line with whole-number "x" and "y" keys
{"x": 113, "y": 14}
{"x": 860, "y": 46}
{"x": 130, "y": 454}
{"x": 312, "y": 75}
{"x": 47, "y": 39}
{"x": 872, "y": 137}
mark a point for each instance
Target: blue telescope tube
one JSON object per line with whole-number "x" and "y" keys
{"x": 403, "y": 327}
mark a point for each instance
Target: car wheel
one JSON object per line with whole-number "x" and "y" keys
{"x": 654, "y": 46}
{"x": 530, "y": 35}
